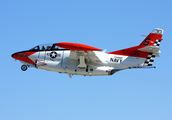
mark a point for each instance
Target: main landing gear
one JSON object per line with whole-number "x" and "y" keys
{"x": 24, "y": 67}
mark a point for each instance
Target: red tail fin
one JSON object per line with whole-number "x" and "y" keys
{"x": 156, "y": 34}
{"x": 152, "y": 40}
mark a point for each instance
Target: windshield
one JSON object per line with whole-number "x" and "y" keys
{"x": 35, "y": 48}
{"x": 45, "y": 47}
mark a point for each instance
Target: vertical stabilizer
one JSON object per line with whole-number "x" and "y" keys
{"x": 153, "y": 39}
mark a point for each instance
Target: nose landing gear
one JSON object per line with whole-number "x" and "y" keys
{"x": 24, "y": 67}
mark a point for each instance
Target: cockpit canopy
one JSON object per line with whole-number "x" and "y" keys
{"x": 44, "y": 47}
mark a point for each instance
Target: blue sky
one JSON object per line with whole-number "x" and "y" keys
{"x": 137, "y": 94}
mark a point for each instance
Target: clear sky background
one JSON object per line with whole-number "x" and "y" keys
{"x": 137, "y": 94}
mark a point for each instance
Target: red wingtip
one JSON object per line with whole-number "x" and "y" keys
{"x": 77, "y": 46}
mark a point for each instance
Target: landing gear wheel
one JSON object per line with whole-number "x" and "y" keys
{"x": 24, "y": 67}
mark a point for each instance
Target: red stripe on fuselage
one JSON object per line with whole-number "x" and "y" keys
{"x": 77, "y": 46}
{"x": 133, "y": 52}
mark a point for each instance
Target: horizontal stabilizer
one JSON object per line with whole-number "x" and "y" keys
{"x": 151, "y": 49}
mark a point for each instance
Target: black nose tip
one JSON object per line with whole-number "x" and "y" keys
{"x": 13, "y": 55}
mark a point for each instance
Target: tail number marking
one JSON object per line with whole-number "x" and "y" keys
{"x": 131, "y": 52}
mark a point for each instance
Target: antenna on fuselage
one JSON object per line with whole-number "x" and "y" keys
{"x": 143, "y": 35}
{"x": 104, "y": 51}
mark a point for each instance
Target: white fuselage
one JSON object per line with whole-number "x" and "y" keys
{"x": 106, "y": 64}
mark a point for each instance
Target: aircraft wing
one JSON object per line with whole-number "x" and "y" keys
{"x": 84, "y": 53}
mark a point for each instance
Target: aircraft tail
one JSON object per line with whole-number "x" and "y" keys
{"x": 153, "y": 39}
{"x": 148, "y": 49}
{"x": 151, "y": 44}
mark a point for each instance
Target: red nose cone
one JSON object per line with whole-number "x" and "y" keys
{"x": 23, "y": 56}
{"x": 19, "y": 55}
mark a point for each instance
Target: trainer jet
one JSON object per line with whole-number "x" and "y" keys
{"x": 80, "y": 59}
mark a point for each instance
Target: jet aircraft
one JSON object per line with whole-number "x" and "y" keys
{"x": 80, "y": 59}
